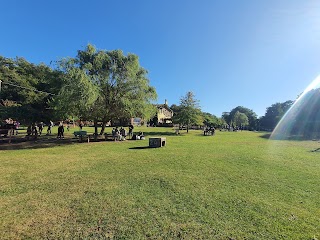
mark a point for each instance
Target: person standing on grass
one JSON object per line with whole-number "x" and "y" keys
{"x": 60, "y": 131}
{"x": 16, "y": 125}
{"x": 40, "y": 127}
{"x": 49, "y": 128}
{"x": 114, "y": 134}
{"x": 34, "y": 131}
{"x": 29, "y": 130}
{"x": 117, "y": 134}
{"x": 131, "y": 131}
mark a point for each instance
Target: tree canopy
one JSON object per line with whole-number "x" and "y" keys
{"x": 251, "y": 115}
{"x": 105, "y": 85}
{"x": 212, "y": 120}
{"x": 27, "y": 90}
{"x": 273, "y": 115}
{"x": 188, "y": 111}
{"x": 240, "y": 119}
{"x": 301, "y": 121}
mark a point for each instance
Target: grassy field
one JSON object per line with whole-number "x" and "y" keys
{"x": 234, "y": 185}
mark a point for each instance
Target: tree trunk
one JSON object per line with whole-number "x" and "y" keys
{"x": 188, "y": 126}
{"x": 95, "y": 129}
{"x": 103, "y": 126}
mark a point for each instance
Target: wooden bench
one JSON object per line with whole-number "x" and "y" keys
{"x": 108, "y": 136}
{"x": 81, "y": 134}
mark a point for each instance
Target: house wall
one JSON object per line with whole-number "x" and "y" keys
{"x": 163, "y": 114}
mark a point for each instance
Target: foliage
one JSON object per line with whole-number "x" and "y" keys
{"x": 176, "y": 113}
{"x": 115, "y": 86}
{"x": 240, "y": 119}
{"x": 273, "y": 115}
{"x": 212, "y": 120}
{"x": 188, "y": 111}
{"x": 252, "y": 116}
{"x": 303, "y": 120}
{"x": 27, "y": 85}
{"x": 202, "y": 118}
{"x": 77, "y": 95}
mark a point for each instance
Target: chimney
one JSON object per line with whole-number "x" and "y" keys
{"x": 166, "y": 102}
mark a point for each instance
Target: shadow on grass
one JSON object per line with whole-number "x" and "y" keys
{"x": 266, "y": 136}
{"x": 144, "y": 147}
{"x": 316, "y": 150}
{"x": 162, "y": 134}
{"x": 206, "y": 135}
{"x": 18, "y": 143}
{"x": 289, "y": 138}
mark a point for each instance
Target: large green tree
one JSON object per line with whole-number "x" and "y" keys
{"x": 252, "y": 116}
{"x": 212, "y": 120}
{"x": 110, "y": 86}
{"x": 188, "y": 111}
{"x": 29, "y": 88}
{"x": 273, "y": 115}
{"x": 240, "y": 119}
{"x": 299, "y": 119}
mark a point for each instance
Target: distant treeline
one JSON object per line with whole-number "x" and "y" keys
{"x": 28, "y": 91}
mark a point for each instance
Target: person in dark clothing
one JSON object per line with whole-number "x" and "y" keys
{"x": 40, "y": 127}
{"x": 123, "y": 133}
{"x": 131, "y": 131}
{"x": 213, "y": 130}
{"x": 50, "y": 125}
{"x": 34, "y": 131}
{"x": 29, "y": 130}
{"x": 60, "y": 131}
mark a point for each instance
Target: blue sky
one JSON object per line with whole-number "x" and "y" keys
{"x": 228, "y": 52}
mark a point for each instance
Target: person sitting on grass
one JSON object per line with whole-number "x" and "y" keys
{"x": 141, "y": 136}
{"x": 116, "y": 134}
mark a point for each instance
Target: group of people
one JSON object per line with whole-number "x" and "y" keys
{"x": 209, "y": 131}
{"x": 121, "y": 134}
{"x": 36, "y": 129}
{"x": 12, "y": 126}
{"x": 139, "y": 136}
{"x": 232, "y": 128}
{"x": 8, "y": 128}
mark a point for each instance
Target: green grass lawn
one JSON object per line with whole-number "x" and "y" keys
{"x": 234, "y": 185}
